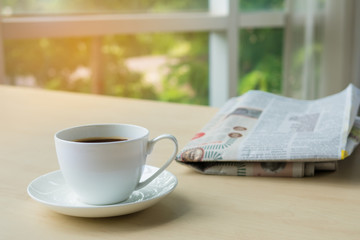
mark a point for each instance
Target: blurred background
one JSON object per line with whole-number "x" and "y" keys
{"x": 277, "y": 46}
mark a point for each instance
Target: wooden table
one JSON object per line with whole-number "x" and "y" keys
{"x": 326, "y": 206}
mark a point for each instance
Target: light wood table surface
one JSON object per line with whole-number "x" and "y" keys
{"x": 326, "y": 206}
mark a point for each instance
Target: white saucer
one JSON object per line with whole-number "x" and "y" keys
{"x": 52, "y": 191}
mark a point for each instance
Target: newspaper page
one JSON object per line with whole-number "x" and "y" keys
{"x": 263, "y": 134}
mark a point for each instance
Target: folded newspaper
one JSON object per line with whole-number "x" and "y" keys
{"x": 262, "y": 134}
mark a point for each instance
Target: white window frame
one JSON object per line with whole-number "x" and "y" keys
{"x": 223, "y": 22}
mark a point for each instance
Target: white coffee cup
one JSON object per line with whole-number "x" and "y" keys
{"x": 106, "y": 172}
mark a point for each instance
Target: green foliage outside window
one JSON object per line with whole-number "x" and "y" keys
{"x": 52, "y": 62}
{"x": 260, "y": 60}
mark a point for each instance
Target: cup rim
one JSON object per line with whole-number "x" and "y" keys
{"x": 56, "y": 135}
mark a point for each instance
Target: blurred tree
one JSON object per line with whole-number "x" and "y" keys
{"x": 260, "y": 60}
{"x": 50, "y": 61}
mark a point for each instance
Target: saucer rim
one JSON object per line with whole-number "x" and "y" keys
{"x": 89, "y": 206}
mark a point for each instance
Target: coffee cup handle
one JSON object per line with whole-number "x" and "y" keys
{"x": 150, "y": 147}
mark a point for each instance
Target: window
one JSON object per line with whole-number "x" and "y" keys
{"x": 200, "y": 52}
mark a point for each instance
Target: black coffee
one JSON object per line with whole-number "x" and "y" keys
{"x": 100, "y": 139}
